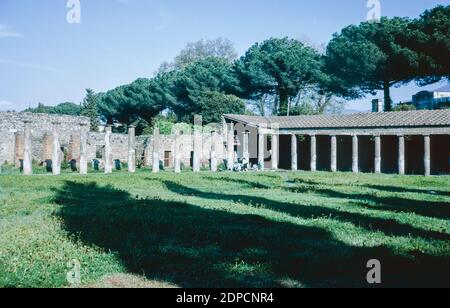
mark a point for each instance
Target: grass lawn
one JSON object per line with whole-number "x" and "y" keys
{"x": 224, "y": 229}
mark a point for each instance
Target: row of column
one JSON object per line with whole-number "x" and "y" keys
{"x": 355, "y": 154}
{"x": 108, "y": 154}
{"x": 83, "y": 161}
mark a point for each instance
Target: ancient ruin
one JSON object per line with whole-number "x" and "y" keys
{"x": 412, "y": 142}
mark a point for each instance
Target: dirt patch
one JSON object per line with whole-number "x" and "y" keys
{"x": 129, "y": 282}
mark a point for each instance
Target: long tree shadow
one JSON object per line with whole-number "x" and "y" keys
{"x": 387, "y": 226}
{"x": 434, "y": 209}
{"x": 197, "y": 247}
{"x": 242, "y": 182}
{"x": 397, "y": 189}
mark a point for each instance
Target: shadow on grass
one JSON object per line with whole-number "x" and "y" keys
{"x": 196, "y": 247}
{"x": 434, "y": 209}
{"x": 389, "y": 227}
{"x": 397, "y": 189}
{"x": 245, "y": 183}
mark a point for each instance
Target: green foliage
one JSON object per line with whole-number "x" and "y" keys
{"x": 137, "y": 103}
{"x": 405, "y": 107}
{"x": 280, "y": 68}
{"x": 371, "y": 57}
{"x": 431, "y": 40}
{"x": 90, "y": 109}
{"x": 201, "y": 50}
{"x": 66, "y": 108}
{"x": 192, "y": 84}
{"x": 215, "y": 104}
{"x": 165, "y": 125}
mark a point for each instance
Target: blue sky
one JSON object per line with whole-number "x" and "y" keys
{"x": 45, "y": 59}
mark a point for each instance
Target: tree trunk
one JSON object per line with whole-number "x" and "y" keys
{"x": 387, "y": 97}
{"x": 284, "y": 101}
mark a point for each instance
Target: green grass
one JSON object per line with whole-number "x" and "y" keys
{"x": 225, "y": 229}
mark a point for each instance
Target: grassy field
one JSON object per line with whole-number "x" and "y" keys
{"x": 224, "y": 230}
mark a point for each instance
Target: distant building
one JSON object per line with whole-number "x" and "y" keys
{"x": 432, "y": 99}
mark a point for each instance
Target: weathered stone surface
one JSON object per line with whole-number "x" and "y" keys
{"x": 40, "y": 125}
{"x": 108, "y": 151}
{"x": 83, "y": 150}
{"x": 377, "y": 154}
{"x": 27, "y": 154}
{"x": 333, "y": 153}
{"x": 156, "y": 150}
{"x": 12, "y": 141}
{"x": 313, "y": 153}
{"x": 355, "y": 154}
{"x": 56, "y": 149}
{"x": 131, "y": 149}
{"x": 427, "y": 155}
{"x": 401, "y": 155}
{"x": 294, "y": 153}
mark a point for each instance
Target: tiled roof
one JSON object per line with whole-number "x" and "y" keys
{"x": 419, "y": 118}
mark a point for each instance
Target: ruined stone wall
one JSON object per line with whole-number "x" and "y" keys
{"x": 41, "y": 124}
{"x": 11, "y": 141}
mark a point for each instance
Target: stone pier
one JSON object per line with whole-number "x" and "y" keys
{"x": 377, "y": 154}
{"x": 83, "y": 149}
{"x": 19, "y": 144}
{"x": 355, "y": 154}
{"x": 156, "y": 150}
{"x": 197, "y": 157}
{"x": 213, "y": 158}
{"x": 131, "y": 149}
{"x": 56, "y": 158}
{"x": 27, "y": 155}
{"x": 275, "y": 151}
{"x": 261, "y": 148}
{"x": 108, "y": 151}
{"x": 294, "y": 154}
{"x": 427, "y": 155}
{"x": 401, "y": 155}
{"x": 230, "y": 147}
{"x": 245, "y": 149}
{"x": 177, "y": 152}
{"x": 333, "y": 153}
{"x": 313, "y": 153}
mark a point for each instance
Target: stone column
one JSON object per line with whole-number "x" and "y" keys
{"x": 156, "y": 145}
{"x": 377, "y": 154}
{"x": 230, "y": 147}
{"x": 83, "y": 149}
{"x": 18, "y": 149}
{"x": 56, "y": 149}
{"x": 27, "y": 155}
{"x": 401, "y": 155}
{"x": 275, "y": 150}
{"x": 108, "y": 150}
{"x": 47, "y": 146}
{"x": 196, "y": 161}
{"x": 214, "y": 137}
{"x": 261, "y": 147}
{"x": 333, "y": 154}
{"x": 131, "y": 149}
{"x": 313, "y": 153}
{"x": 245, "y": 149}
{"x": 294, "y": 154}
{"x": 427, "y": 155}
{"x": 355, "y": 154}
{"x": 177, "y": 152}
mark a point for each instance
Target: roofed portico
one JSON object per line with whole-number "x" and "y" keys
{"x": 408, "y": 142}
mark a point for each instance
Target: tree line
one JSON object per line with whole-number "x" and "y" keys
{"x": 284, "y": 76}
